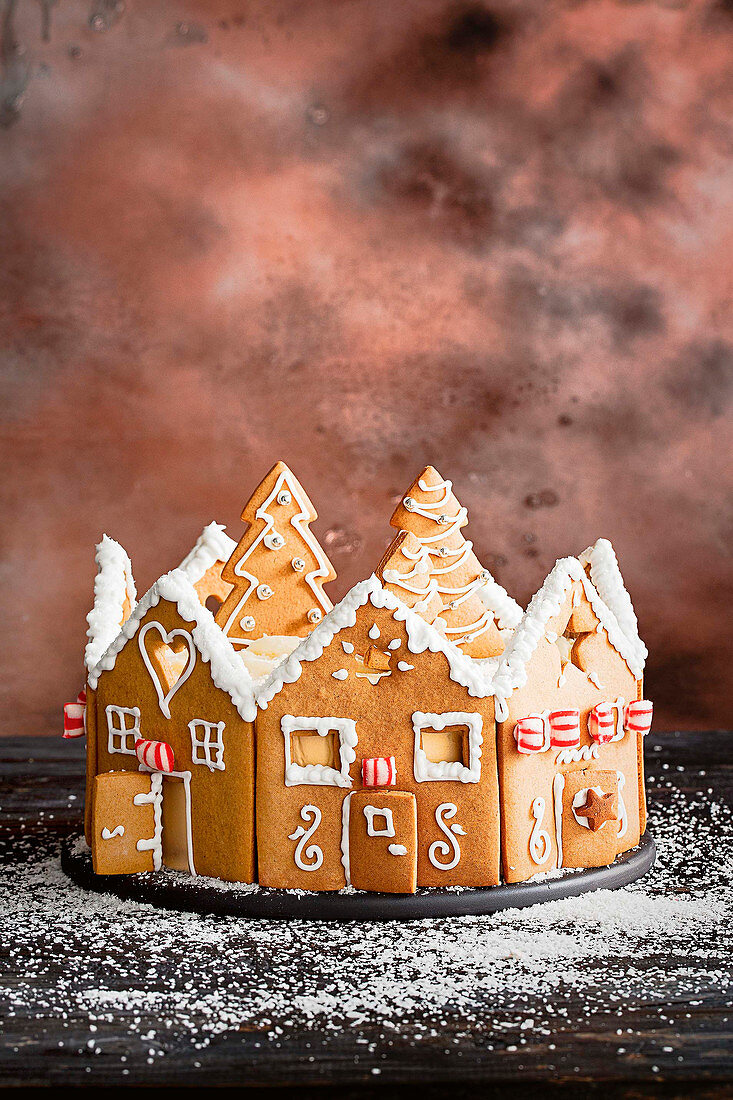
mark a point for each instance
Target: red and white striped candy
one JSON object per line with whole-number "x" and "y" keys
{"x": 529, "y": 733}
{"x": 74, "y": 716}
{"x": 638, "y": 716}
{"x": 602, "y": 723}
{"x": 378, "y": 771}
{"x": 155, "y": 754}
{"x": 564, "y": 729}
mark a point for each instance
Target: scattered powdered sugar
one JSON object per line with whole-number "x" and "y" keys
{"x": 165, "y": 979}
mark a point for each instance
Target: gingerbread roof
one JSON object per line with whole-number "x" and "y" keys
{"x": 512, "y": 669}
{"x": 227, "y": 669}
{"x": 601, "y": 563}
{"x": 475, "y": 676}
{"x": 212, "y": 545}
{"x": 113, "y": 585}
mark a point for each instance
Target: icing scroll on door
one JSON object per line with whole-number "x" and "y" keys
{"x": 539, "y": 841}
{"x": 446, "y": 810}
{"x": 303, "y": 835}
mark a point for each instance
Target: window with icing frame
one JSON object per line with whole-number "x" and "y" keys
{"x": 318, "y": 750}
{"x": 123, "y": 728}
{"x": 207, "y": 743}
{"x": 447, "y": 746}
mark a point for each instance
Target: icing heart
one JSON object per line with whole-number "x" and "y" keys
{"x": 164, "y": 698}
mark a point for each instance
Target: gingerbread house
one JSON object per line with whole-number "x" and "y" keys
{"x": 170, "y": 700}
{"x": 423, "y": 733}
{"x": 376, "y": 757}
{"x": 568, "y": 705}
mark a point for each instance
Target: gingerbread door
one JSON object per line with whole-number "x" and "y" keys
{"x": 586, "y": 803}
{"x": 382, "y": 838}
{"x": 126, "y": 823}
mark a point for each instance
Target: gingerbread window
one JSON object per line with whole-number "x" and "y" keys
{"x": 447, "y": 746}
{"x": 318, "y": 751}
{"x": 123, "y": 727}
{"x": 207, "y": 743}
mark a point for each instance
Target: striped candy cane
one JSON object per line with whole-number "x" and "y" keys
{"x": 378, "y": 771}
{"x": 529, "y": 733}
{"x": 74, "y": 716}
{"x": 602, "y": 723}
{"x": 638, "y": 716}
{"x": 155, "y": 754}
{"x": 564, "y": 729}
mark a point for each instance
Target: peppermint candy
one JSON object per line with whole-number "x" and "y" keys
{"x": 638, "y": 716}
{"x": 602, "y": 723}
{"x": 529, "y": 733}
{"x": 564, "y": 729}
{"x": 74, "y": 716}
{"x": 378, "y": 771}
{"x": 155, "y": 754}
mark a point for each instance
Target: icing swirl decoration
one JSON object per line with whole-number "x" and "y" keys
{"x": 444, "y": 812}
{"x": 302, "y": 834}
{"x": 539, "y": 841}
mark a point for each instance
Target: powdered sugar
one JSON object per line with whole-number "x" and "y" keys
{"x": 182, "y": 979}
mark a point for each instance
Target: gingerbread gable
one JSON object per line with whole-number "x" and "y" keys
{"x": 212, "y": 547}
{"x": 227, "y": 670}
{"x": 115, "y": 596}
{"x": 601, "y": 565}
{"x": 204, "y": 563}
{"x": 511, "y": 673}
{"x": 475, "y": 676}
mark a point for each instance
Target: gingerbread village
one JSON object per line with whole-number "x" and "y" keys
{"x": 424, "y": 732}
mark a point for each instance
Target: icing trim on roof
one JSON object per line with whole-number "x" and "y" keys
{"x": 421, "y": 636}
{"x": 606, "y": 576}
{"x": 512, "y": 671}
{"x": 212, "y": 545}
{"x": 227, "y": 670}
{"x": 506, "y": 611}
{"x": 112, "y": 584}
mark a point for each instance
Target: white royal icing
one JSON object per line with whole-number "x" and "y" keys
{"x": 374, "y": 632}
{"x": 284, "y": 491}
{"x": 112, "y": 585}
{"x": 225, "y": 666}
{"x": 539, "y": 841}
{"x": 107, "y": 834}
{"x": 302, "y": 834}
{"x": 213, "y": 545}
{"x": 444, "y": 813}
{"x": 340, "y": 674}
{"x": 164, "y": 697}
{"x": 154, "y": 843}
{"x": 558, "y": 786}
{"x": 572, "y": 756}
{"x": 320, "y": 775}
{"x": 372, "y": 812}
{"x": 622, "y": 815}
{"x": 427, "y": 771}
{"x": 397, "y": 850}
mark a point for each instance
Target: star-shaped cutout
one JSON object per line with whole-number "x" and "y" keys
{"x": 598, "y": 809}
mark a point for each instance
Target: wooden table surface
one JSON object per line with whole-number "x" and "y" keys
{"x": 620, "y": 994}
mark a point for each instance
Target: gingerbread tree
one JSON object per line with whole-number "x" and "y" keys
{"x": 278, "y": 568}
{"x": 474, "y": 605}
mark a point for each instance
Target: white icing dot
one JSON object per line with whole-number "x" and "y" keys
{"x": 404, "y": 667}
{"x": 314, "y": 615}
{"x": 284, "y": 497}
{"x": 264, "y": 591}
{"x": 340, "y": 674}
{"x": 374, "y": 632}
{"x": 395, "y": 643}
{"x": 274, "y": 541}
{"x": 347, "y": 647}
{"x": 247, "y": 623}
{"x": 298, "y": 565}
{"x": 408, "y": 503}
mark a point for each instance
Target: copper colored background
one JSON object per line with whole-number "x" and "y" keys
{"x": 361, "y": 237}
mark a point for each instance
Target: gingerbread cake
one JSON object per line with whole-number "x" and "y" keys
{"x": 423, "y": 733}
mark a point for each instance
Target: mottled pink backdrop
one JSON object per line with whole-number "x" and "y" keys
{"x": 361, "y": 237}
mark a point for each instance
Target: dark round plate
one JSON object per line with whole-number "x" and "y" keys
{"x": 173, "y": 890}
